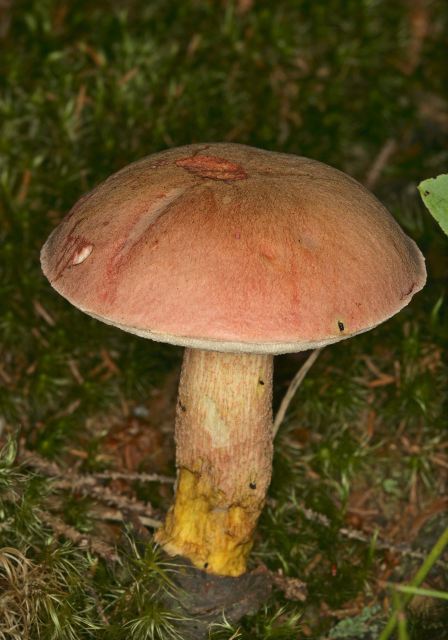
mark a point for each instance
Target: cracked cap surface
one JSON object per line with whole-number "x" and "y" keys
{"x": 232, "y": 248}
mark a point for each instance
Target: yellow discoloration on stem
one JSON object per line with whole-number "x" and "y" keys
{"x": 215, "y": 536}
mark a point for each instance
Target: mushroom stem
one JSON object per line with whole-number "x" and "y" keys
{"x": 223, "y": 457}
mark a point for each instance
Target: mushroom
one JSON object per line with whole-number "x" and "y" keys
{"x": 236, "y": 254}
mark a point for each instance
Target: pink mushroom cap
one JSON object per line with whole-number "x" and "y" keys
{"x": 231, "y": 248}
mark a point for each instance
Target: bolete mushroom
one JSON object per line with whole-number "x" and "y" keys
{"x": 237, "y": 254}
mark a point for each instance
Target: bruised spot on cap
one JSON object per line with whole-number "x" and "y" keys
{"x": 212, "y": 167}
{"x": 82, "y": 253}
{"x": 407, "y": 293}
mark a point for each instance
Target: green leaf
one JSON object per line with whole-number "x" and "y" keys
{"x": 434, "y": 193}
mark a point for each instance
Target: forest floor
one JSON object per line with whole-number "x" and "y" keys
{"x": 359, "y": 491}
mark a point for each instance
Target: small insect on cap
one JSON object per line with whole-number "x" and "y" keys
{"x": 231, "y": 248}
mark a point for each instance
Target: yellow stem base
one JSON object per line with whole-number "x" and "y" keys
{"x": 216, "y": 537}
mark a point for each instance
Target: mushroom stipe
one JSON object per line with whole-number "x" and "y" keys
{"x": 224, "y": 459}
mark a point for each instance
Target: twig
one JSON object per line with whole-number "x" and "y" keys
{"x": 48, "y": 468}
{"x": 82, "y": 540}
{"x": 133, "y": 477}
{"x": 5, "y": 376}
{"x": 104, "y": 494}
{"x": 126, "y": 509}
{"x": 387, "y": 150}
{"x": 295, "y": 384}
{"x": 115, "y": 515}
{"x": 292, "y": 588}
{"x": 41, "y": 311}
{"x": 87, "y": 485}
{"x": 37, "y": 462}
{"x": 359, "y": 536}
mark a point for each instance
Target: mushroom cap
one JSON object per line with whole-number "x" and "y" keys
{"x": 231, "y": 248}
